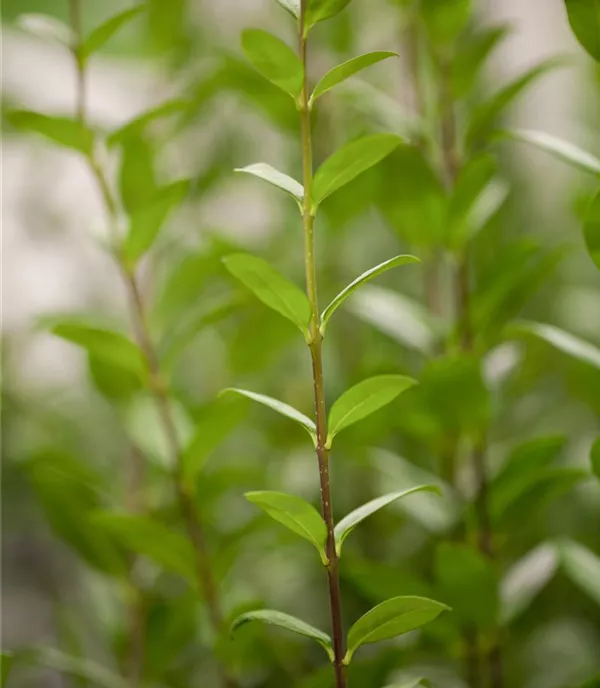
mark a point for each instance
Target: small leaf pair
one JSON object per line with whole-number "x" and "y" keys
{"x": 389, "y": 619}
{"x": 304, "y": 520}
{"x": 355, "y": 404}
{"x": 316, "y": 10}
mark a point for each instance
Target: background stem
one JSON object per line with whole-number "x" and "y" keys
{"x": 315, "y": 346}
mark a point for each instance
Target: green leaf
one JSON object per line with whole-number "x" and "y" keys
{"x": 319, "y": 10}
{"x": 65, "y": 131}
{"x": 46, "y": 27}
{"x": 137, "y": 126}
{"x": 563, "y": 150}
{"x": 392, "y": 618}
{"x": 484, "y": 116}
{"x": 360, "y": 280}
{"x": 292, "y": 6}
{"x": 346, "y": 70}
{"x": 84, "y": 669}
{"x": 350, "y": 521}
{"x": 147, "y": 221}
{"x": 563, "y": 341}
{"x": 584, "y": 18}
{"x": 591, "y": 230}
{"x": 274, "y": 59}
{"x": 271, "y": 287}
{"x": 103, "y": 33}
{"x": 445, "y": 19}
{"x": 7, "y": 659}
{"x": 411, "y": 684}
{"x": 582, "y": 566}
{"x": 216, "y": 420}
{"x": 595, "y": 458}
{"x": 137, "y": 181}
{"x": 152, "y": 539}
{"x": 470, "y": 57}
{"x": 115, "y": 383}
{"x": 364, "y": 399}
{"x": 291, "y": 623}
{"x": 525, "y": 579}
{"x": 106, "y": 345}
{"x": 467, "y": 582}
{"x": 349, "y": 162}
{"x": 296, "y": 514}
{"x": 280, "y": 407}
{"x": 262, "y": 170}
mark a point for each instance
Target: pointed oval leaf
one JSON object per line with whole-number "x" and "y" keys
{"x": 291, "y": 623}
{"x": 595, "y": 458}
{"x": 363, "y": 399}
{"x": 274, "y": 59}
{"x": 348, "y": 162}
{"x": 392, "y": 618}
{"x": 82, "y": 670}
{"x": 563, "y": 150}
{"x": 584, "y": 18}
{"x": 349, "y": 522}
{"x": 147, "y": 221}
{"x": 485, "y": 115}
{"x": 319, "y": 10}
{"x": 137, "y": 126}
{"x": 346, "y": 70}
{"x": 280, "y": 407}
{"x": 561, "y": 340}
{"x": 263, "y": 170}
{"x": 445, "y": 19}
{"x": 46, "y": 27}
{"x": 271, "y": 287}
{"x": 106, "y": 345}
{"x": 103, "y": 33}
{"x": 137, "y": 180}
{"x": 65, "y": 131}
{"x": 152, "y": 539}
{"x": 591, "y": 230}
{"x": 582, "y": 566}
{"x": 292, "y": 6}
{"x": 360, "y": 280}
{"x": 294, "y": 513}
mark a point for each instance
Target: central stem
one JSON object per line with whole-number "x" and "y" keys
{"x": 315, "y": 346}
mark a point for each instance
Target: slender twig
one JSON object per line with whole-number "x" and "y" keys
{"x": 315, "y": 345}
{"x": 158, "y": 388}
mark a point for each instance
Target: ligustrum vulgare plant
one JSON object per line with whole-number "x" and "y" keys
{"x": 134, "y": 220}
{"x": 278, "y": 63}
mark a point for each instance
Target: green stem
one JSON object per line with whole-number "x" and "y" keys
{"x": 315, "y": 346}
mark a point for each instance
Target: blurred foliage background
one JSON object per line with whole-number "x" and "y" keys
{"x": 79, "y": 435}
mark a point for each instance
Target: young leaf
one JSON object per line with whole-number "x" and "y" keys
{"x": 563, "y": 150}
{"x": 445, "y": 19}
{"x": 364, "y": 399}
{"x": 591, "y": 230}
{"x": 272, "y": 288}
{"x": 137, "y": 126}
{"x": 349, "y": 522}
{"x": 106, "y": 345}
{"x": 582, "y": 566}
{"x": 319, "y": 10}
{"x": 360, "y": 280}
{"x": 46, "y": 27}
{"x": 561, "y": 340}
{"x": 292, "y": 6}
{"x": 525, "y": 579}
{"x": 274, "y": 59}
{"x": 280, "y": 407}
{"x": 85, "y": 672}
{"x": 262, "y": 170}
{"x": 349, "y": 162}
{"x": 7, "y": 661}
{"x": 291, "y": 623}
{"x": 345, "y": 70}
{"x": 595, "y": 458}
{"x": 466, "y": 581}
{"x": 151, "y": 539}
{"x": 471, "y": 56}
{"x": 65, "y": 131}
{"x": 147, "y": 221}
{"x": 137, "y": 181}
{"x": 103, "y": 33}
{"x": 392, "y": 618}
{"x": 584, "y": 18}
{"x": 294, "y": 513}
{"x": 485, "y": 115}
